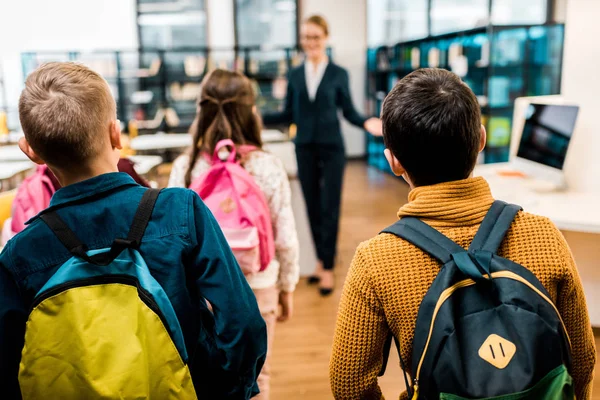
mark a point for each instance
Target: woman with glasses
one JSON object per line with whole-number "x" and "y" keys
{"x": 316, "y": 91}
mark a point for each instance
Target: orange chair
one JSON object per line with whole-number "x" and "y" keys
{"x": 6, "y": 200}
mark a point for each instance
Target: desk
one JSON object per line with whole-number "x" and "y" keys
{"x": 576, "y": 214}
{"x": 160, "y": 141}
{"x": 286, "y": 152}
{"x": 10, "y": 172}
{"x": 144, "y": 164}
{"x": 12, "y": 153}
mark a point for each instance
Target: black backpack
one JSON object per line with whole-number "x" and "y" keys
{"x": 486, "y": 328}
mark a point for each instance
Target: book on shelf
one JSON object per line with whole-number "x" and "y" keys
{"x": 433, "y": 57}
{"x": 194, "y": 65}
{"x": 383, "y": 61}
{"x": 239, "y": 64}
{"x": 150, "y": 72}
{"x": 186, "y": 92}
{"x": 498, "y": 132}
{"x": 171, "y": 117}
{"x": 152, "y": 123}
{"x": 142, "y": 97}
{"x": 279, "y": 88}
{"x": 415, "y": 58}
{"x": 282, "y": 67}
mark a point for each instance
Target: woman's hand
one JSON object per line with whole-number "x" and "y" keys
{"x": 286, "y": 300}
{"x": 374, "y": 126}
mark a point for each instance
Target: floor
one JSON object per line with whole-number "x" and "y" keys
{"x": 302, "y": 345}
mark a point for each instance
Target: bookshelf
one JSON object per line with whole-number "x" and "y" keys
{"x": 499, "y": 63}
{"x": 159, "y": 88}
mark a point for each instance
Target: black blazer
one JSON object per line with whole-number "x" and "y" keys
{"x": 317, "y": 121}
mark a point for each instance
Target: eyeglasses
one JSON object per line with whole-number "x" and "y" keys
{"x": 312, "y": 38}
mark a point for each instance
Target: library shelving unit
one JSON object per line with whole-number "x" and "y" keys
{"x": 499, "y": 63}
{"x": 159, "y": 88}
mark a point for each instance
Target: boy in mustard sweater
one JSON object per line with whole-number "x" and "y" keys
{"x": 433, "y": 134}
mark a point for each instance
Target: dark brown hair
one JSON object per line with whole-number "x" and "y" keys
{"x": 318, "y": 21}
{"x": 432, "y": 125}
{"x": 64, "y": 110}
{"x": 226, "y": 111}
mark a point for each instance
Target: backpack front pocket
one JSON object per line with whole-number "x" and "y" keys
{"x": 557, "y": 385}
{"x": 245, "y": 244}
{"x": 99, "y": 341}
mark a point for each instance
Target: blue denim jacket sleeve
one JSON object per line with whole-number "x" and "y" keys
{"x": 12, "y": 331}
{"x": 234, "y": 337}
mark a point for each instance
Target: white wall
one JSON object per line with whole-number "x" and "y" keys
{"x": 348, "y": 25}
{"x": 221, "y": 31}
{"x": 581, "y": 85}
{"x": 36, "y": 25}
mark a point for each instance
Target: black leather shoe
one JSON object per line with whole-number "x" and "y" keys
{"x": 313, "y": 280}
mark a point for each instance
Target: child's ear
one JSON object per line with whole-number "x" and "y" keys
{"x": 115, "y": 135}
{"x": 395, "y": 165}
{"x": 482, "y": 139}
{"x": 26, "y": 148}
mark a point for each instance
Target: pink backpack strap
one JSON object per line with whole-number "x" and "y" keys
{"x": 246, "y": 149}
{"x": 220, "y": 146}
{"x": 242, "y": 150}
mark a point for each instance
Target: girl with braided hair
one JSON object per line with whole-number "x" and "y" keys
{"x": 226, "y": 110}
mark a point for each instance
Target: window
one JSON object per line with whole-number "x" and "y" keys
{"x": 402, "y": 20}
{"x": 269, "y": 23}
{"x": 452, "y": 15}
{"x": 171, "y": 24}
{"x": 513, "y": 12}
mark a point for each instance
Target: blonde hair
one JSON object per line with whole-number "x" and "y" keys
{"x": 64, "y": 110}
{"x": 318, "y": 21}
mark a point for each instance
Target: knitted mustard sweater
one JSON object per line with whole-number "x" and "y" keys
{"x": 389, "y": 277}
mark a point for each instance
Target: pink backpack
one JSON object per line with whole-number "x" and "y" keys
{"x": 240, "y": 208}
{"x": 33, "y": 196}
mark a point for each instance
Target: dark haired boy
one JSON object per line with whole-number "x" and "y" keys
{"x": 433, "y": 134}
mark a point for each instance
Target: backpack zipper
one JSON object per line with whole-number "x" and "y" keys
{"x": 470, "y": 282}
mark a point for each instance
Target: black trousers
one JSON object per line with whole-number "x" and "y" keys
{"x": 321, "y": 174}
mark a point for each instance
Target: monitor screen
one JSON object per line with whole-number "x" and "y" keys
{"x": 547, "y": 133}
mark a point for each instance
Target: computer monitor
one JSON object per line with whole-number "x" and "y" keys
{"x": 541, "y": 145}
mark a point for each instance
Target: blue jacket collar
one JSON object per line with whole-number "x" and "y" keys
{"x": 89, "y": 188}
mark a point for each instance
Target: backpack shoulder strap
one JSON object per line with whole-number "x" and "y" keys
{"x": 142, "y": 217}
{"x": 425, "y": 238}
{"x": 77, "y": 248}
{"x": 494, "y": 227}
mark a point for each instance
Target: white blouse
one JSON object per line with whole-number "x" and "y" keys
{"x": 271, "y": 177}
{"x": 314, "y": 76}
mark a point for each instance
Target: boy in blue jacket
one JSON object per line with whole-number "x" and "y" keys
{"x": 69, "y": 119}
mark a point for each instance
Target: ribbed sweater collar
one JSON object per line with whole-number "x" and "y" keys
{"x": 448, "y": 204}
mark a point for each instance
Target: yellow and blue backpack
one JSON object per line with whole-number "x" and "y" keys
{"x": 102, "y": 327}
{"x": 487, "y": 328}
